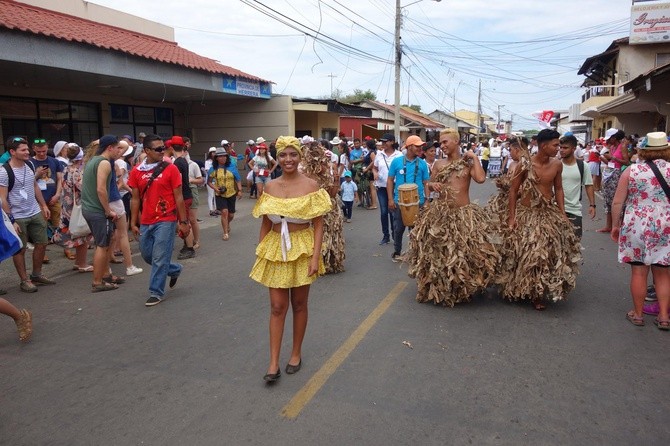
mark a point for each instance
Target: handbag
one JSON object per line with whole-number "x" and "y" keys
{"x": 659, "y": 177}
{"x": 10, "y": 243}
{"x": 78, "y": 226}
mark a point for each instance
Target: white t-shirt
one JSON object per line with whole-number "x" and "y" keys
{"x": 382, "y": 163}
{"x": 344, "y": 161}
{"x": 572, "y": 184}
{"x": 496, "y": 152}
{"x": 194, "y": 172}
{"x": 121, "y": 164}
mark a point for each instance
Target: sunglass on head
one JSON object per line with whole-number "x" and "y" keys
{"x": 19, "y": 139}
{"x": 159, "y": 149}
{"x": 39, "y": 141}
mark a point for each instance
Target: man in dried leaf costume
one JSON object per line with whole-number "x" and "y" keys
{"x": 316, "y": 165}
{"x": 541, "y": 252}
{"x": 449, "y": 252}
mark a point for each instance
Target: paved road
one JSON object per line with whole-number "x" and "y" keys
{"x": 379, "y": 368}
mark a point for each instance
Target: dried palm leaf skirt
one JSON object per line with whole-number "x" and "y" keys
{"x": 332, "y": 249}
{"x": 450, "y": 254}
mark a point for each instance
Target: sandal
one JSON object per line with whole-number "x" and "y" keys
{"x": 114, "y": 279}
{"x": 83, "y": 269}
{"x": 115, "y": 260}
{"x": 662, "y": 324}
{"x": 635, "y": 320}
{"x": 538, "y": 305}
{"x": 226, "y": 236}
{"x": 104, "y": 286}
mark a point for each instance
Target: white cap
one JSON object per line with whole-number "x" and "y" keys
{"x": 260, "y": 140}
{"x": 128, "y": 151}
{"x": 307, "y": 139}
{"x": 211, "y": 149}
{"x": 224, "y": 142}
{"x": 610, "y": 132}
{"x": 58, "y": 147}
{"x": 250, "y": 142}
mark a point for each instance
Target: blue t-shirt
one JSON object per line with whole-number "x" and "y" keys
{"x": 48, "y": 184}
{"x": 405, "y": 171}
{"x": 355, "y": 154}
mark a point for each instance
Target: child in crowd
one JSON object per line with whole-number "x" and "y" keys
{"x": 349, "y": 195}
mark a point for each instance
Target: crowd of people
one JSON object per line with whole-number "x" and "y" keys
{"x": 525, "y": 243}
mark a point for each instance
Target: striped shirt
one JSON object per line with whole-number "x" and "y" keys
{"x": 21, "y": 199}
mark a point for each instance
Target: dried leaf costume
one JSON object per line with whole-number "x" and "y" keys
{"x": 498, "y": 204}
{"x": 541, "y": 257}
{"x": 315, "y": 165}
{"x": 450, "y": 254}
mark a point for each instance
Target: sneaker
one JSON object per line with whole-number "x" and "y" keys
{"x": 395, "y": 257}
{"x": 132, "y": 270}
{"x": 28, "y": 287}
{"x": 348, "y": 220}
{"x": 41, "y": 279}
{"x": 384, "y": 241}
{"x": 187, "y": 253}
{"x": 173, "y": 281}
{"x": 651, "y": 309}
{"x": 151, "y": 301}
{"x": 651, "y": 294}
{"x": 199, "y": 220}
{"x": 25, "y": 325}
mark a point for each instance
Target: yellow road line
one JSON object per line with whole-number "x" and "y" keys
{"x": 305, "y": 395}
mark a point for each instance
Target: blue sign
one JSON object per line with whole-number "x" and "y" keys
{"x": 244, "y": 87}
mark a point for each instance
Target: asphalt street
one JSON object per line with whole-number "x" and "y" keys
{"x": 378, "y": 367}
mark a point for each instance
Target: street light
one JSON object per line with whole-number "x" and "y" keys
{"x": 398, "y": 63}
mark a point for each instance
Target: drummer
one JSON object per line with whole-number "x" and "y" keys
{"x": 409, "y": 168}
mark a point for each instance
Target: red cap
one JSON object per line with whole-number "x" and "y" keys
{"x": 178, "y": 140}
{"x": 168, "y": 143}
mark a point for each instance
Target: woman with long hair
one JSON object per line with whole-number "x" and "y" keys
{"x": 225, "y": 180}
{"x": 288, "y": 256}
{"x": 616, "y": 158}
{"x": 263, "y": 165}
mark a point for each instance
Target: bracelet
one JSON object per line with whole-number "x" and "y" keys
{"x": 11, "y": 218}
{"x": 592, "y": 206}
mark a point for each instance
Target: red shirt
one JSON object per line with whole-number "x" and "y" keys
{"x": 158, "y": 203}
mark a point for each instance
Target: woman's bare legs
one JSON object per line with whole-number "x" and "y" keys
{"x": 279, "y": 301}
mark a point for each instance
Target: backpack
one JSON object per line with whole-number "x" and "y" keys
{"x": 10, "y": 174}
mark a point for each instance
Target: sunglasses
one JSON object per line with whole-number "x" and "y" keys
{"x": 39, "y": 141}
{"x": 159, "y": 149}
{"x": 19, "y": 139}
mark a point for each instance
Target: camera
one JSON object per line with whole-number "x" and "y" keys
{"x": 222, "y": 189}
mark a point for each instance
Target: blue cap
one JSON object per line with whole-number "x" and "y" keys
{"x": 347, "y": 173}
{"x": 107, "y": 141}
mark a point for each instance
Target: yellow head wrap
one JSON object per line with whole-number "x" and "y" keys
{"x": 288, "y": 141}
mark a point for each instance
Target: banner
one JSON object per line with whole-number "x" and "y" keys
{"x": 649, "y": 23}
{"x": 544, "y": 118}
{"x": 245, "y": 87}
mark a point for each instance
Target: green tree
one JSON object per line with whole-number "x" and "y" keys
{"x": 416, "y": 108}
{"x": 359, "y": 95}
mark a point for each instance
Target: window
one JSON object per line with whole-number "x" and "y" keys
{"x": 49, "y": 119}
{"x": 131, "y": 120}
{"x": 662, "y": 59}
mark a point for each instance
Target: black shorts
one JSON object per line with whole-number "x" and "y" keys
{"x": 102, "y": 228}
{"x": 576, "y": 221}
{"x": 223, "y": 204}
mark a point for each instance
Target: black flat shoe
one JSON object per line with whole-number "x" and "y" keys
{"x": 291, "y": 369}
{"x": 272, "y": 377}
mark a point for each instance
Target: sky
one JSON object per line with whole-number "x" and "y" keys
{"x": 525, "y": 52}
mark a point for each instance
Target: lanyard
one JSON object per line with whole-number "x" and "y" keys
{"x": 416, "y": 168}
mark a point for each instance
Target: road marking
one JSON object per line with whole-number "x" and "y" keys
{"x": 305, "y": 395}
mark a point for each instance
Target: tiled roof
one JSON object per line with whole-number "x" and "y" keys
{"x": 409, "y": 114}
{"x": 31, "y": 19}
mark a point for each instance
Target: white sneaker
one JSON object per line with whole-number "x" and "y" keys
{"x": 131, "y": 271}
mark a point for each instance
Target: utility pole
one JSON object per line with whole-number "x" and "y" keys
{"x": 479, "y": 109}
{"x": 409, "y": 78}
{"x": 398, "y": 62}
{"x": 331, "y": 76}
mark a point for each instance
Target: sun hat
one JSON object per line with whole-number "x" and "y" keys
{"x": 220, "y": 151}
{"x": 211, "y": 149}
{"x": 58, "y": 147}
{"x": 336, "y": 141}
{"x": 260, "y": 139}
{"x": 656, "y": 141}
{"x": 128, "y": 151}
{"x": 250, "y": 142}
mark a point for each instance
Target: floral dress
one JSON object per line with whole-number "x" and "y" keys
{"x": 645, "y": 231}
{"x": 71, "y": 190}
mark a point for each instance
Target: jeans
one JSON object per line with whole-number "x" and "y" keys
{"x": 156, "y": 243}
{"x": 398, "y": 231}
{"x": 348, "y": 209}
{"x": 386, "y": 217}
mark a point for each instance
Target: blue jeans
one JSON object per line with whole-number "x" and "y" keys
{"x": 386, "y": 217}
{"x": 156, "y": 243}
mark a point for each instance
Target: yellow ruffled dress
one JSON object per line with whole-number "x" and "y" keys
{"x": 271, "y": 268}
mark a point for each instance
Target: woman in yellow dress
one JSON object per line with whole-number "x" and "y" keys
{"x": 288, "y": 256}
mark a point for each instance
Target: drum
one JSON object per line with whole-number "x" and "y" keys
{"x": 408, "y": 200}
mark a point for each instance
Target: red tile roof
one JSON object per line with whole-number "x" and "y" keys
{"x": 31, "y": 19}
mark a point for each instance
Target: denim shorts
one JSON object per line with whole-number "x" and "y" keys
{"x": 262, "y": 180}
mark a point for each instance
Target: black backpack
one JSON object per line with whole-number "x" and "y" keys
{"x": 10, "y": 174}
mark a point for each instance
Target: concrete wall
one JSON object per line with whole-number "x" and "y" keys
{"x": 237, "y": 120}
{"x": 108, "y": 16}
{"x": 635, "y": 60}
